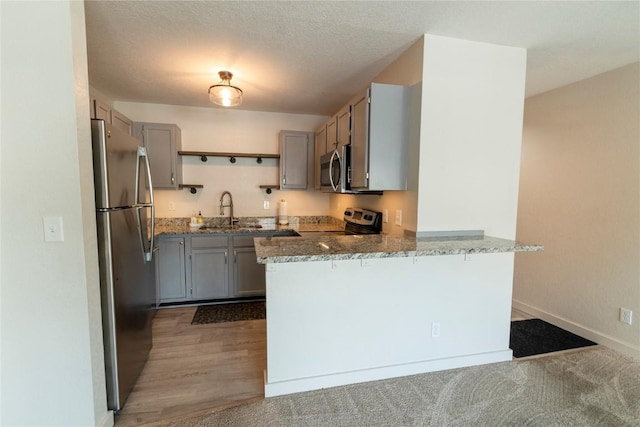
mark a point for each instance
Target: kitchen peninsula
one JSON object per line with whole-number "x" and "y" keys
{"x": 348, "y": 309}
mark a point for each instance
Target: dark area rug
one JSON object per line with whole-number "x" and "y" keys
{"x": 233, "y": 312}
{"x": 535, "y": 336}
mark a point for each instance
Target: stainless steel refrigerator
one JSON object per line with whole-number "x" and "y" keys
{"x": 125, "y": 220}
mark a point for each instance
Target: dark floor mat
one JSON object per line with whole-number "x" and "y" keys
{"x": 233, "y": 312}
{"x": 535, "y": 336}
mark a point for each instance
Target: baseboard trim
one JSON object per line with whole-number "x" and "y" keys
{"x": 107, "y": 420}
{"x": 333, "y": 380}
{"x": 588, "y": 333}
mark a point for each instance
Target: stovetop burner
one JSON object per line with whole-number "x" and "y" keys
{"x": 362, "y": 221}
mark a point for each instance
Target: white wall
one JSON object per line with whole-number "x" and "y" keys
{"x": 52, "y": 366}
{"x": 580, "y": 198}
{"x": 471, "y": 130}
{"x": 379, "y": 326}
{"x": 230, "y": 130}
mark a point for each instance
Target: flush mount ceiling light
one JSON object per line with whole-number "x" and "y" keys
{"x": 223, "y": 93}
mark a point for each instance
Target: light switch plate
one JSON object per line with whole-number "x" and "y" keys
{"x": 53, "y": 231}
{"x": 398, "y": 217}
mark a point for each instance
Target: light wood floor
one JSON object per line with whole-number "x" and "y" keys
{"x": 194, "y": 369}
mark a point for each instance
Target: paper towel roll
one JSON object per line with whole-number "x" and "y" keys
{"x": 283, "y": 219}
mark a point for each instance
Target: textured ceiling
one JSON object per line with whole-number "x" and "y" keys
{"x": 312, "y": 56}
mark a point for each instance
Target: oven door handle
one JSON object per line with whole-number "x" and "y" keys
{"x": 334, "y": 185}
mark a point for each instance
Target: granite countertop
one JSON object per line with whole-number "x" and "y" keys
{"x": 183, "y": 228}
{"x": 323, "y": 248}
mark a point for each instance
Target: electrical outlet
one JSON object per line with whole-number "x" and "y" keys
{"x": 435, "y": 329}
{"x": 398, "y": 217}
{"x": 626, "y": 315}
{"x": 265, "y": 204}
{"x": 385, "y": 216}
{"x": 468, "y": 257}
{"x": 172, "y": 206}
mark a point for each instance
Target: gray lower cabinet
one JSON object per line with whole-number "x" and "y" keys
{"x": 171, "y": 269}
{"x": 209, "y": 274}
{"x": 207, "y": 267}
{"x": 248, "y": 275}
{"x": 163, "y": 141}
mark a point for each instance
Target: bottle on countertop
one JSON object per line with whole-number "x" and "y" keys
{"x": 283, "y": 218}
{"x": 194, "y": 221}
{"x": 200, "y": 219}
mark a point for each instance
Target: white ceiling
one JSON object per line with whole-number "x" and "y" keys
{"x": 312, "y": 56}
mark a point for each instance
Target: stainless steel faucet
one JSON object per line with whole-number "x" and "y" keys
{"x": 230, "y": 206}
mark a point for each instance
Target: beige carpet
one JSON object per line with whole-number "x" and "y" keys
{"x": 594, "y": 386}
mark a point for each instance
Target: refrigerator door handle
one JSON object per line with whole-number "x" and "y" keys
{"x": 142, "y": 152}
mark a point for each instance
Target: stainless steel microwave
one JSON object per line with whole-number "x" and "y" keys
{"x": 335, "y": 169}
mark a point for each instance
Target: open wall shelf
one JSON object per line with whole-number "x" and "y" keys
{"x": 192, "y": 187}
{"x": 232, "y": 156}
{"x": 269, "y": 188}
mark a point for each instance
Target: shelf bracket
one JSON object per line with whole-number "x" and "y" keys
{"x": 193, "y": 188}
{"x": 203, "y": 158}
{"x": 269, "y": 188}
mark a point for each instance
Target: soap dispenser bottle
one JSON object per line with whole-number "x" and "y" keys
{"x": 200, "y": 218}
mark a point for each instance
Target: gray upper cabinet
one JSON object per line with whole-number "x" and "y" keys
{"x": 163, "y": 141}
{"x": 332, "y": 134}
{"x": 102, "y": 110}
{"x": 294, "y": 154}
{"x": 379, "y": 138}
{"x": 121, "y": 121}
{"x": 343, "y": 126}
{"x": 321, "y": 149}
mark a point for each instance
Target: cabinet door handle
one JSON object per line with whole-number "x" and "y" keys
{"x": 173, "y": 179}
{"x": 225, "y": 257}
{"x": 181, "y": 243}
{"x": 235, "y": 257}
